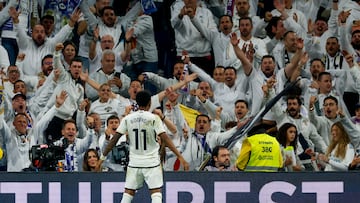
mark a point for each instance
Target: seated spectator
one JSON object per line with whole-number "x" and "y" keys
{"x": 288, "y": 137}
{"x": 340, "y": 152}
{"x": 220, "y": 160}
{"x": 91, "y": 160}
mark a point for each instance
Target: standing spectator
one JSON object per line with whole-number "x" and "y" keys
{"x": 105, "y": 106}
{"x": 320, "y": 30}
{"x": 287, "y": 6}
{"x": 187, "y": 37}
{"x": 108, "y": 23}
{"x": 48, "y": 22}
{"x": 38, "y": 45}
{"x": 218, "y": 40}
{"x": 248, "y": 42}
{"x": 8, "y": 34}
{"x": 144, "y": 55}
{"x": 244, "y": 9}
{"x": 118, "y": 81}
{"x": 202, "y": 139}
{"x": 179, "y": 73}
{"x": 68, "y": 53}
{"x": 85, "y": 38}
{"x": 18, "y": 143}
{"x": 19, "y": 139}
{"x": 303, "y": 124}
{"x": 71, "y": 82}
{"x": 96, "y": 50}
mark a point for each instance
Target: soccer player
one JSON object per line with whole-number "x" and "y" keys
{"x": 142, "y": 128}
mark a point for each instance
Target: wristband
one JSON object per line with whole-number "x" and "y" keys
{"x": 102, "y": 157}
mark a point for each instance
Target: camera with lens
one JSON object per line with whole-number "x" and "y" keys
{"x": 45, "y": 157}
{"x": 121, "y": 154}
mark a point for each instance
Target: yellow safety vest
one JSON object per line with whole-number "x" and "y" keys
{"x": 265, "y": 154}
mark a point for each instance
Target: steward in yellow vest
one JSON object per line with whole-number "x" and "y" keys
{"x": 260, "y": 152}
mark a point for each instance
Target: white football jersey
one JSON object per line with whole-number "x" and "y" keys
{"x": 142, "y": 128}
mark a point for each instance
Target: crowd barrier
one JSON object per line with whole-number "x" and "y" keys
{"x": 183, "y": 187}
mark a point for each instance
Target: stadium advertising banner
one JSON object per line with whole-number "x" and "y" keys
{"x": 183, "y": 187}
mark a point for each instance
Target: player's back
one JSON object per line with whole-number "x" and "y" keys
{"x": 142, "y": 128}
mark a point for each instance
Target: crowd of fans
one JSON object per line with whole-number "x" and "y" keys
{"x": 210, "y": 65}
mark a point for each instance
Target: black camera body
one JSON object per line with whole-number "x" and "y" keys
{"x": 121, "y": 154}
{"x": 46, "y": 157}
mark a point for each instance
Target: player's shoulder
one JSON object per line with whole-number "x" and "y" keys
{"x": 143, "y": 114}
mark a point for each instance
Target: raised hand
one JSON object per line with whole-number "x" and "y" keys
{"x": 59, "y": 46}
{"x": 250, "y": 52}
{"x": 310, "y": 26}
{"x": 84, "y": 76}
{"x": 20, "y": 57}
{"x": 57, "y": 73}
{"x": 234, "y": 39}
{"x": 60, "y": 99}
{"x": 185, "y": 57}
{"x": 268, "y": 16}
{"x": 75, "y": 16}
{"x": 312, "y": 101}
{"x": 83, "y": 104}
{"x": 343, "y": 16}
{"x": 348, "y": 57}
{"x": 14, "y": 14}
{"x": 304, "y": 58}
{"x": 314, "y": 85}
{"x": 96, "y": 33}
{"x": 218, "y": 113}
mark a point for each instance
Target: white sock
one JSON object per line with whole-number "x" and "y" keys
{"x": 126, "y": 198}
{"x": 156, "y": 197}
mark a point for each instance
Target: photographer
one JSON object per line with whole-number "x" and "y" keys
{"x": 220, "y": 160}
